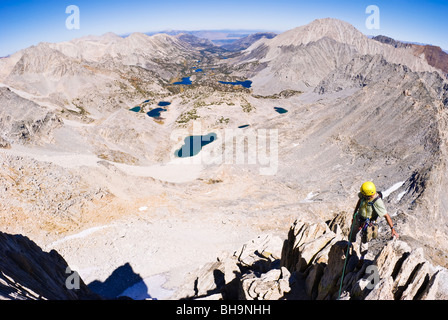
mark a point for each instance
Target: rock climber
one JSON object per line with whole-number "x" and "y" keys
{"x": 370, "y": 206}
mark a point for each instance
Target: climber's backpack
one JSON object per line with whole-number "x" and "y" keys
{"x": 375, "y": 215}
{"x": 372, "y": 229}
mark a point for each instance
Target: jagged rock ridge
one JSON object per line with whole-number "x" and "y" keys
{"x": 434, "y": 55}
{"x": 309, "y": 266}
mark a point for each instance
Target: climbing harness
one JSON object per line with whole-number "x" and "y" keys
{"x": 365, "y": 225}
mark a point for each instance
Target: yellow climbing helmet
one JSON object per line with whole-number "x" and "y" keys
{"x": 368, "y": 188}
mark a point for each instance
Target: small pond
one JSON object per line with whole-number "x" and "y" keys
{"x": 155, "y": 113}
{"x": 194, "y": 144}
{"x": 135, "y": 109}
{"x": 185, "y": 81}
{"x": 245, "y": 84}
{"x": 280, "y": 110}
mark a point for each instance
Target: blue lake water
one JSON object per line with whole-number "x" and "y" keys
{"x": 135, "y": 109}
{"x": 155, "y": 113}
{"x": 185, "y": 81}
{"x": 163, "y": 103}
{"x": 194, "y": 144}
{"x": 245, "y": 84}
{"x": 243, "y": 126}
{"x": 198, "y": 70}
{"x": 146, "y": 101}
{"x": 280, "y": 110}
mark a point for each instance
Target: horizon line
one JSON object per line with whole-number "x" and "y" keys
{"x": 237, "y": 30}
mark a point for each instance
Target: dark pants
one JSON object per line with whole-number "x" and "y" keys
{"x": 360, "y": 236}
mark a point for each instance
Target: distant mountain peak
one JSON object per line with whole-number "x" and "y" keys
{"x": 335, "y": 29}
{"x": 107, "y": 37}
{"x": 434, "y": 55}
{"x": 391, "y": 41}
{"x": 246, "y": 42}
{"x": 137, "y": 35}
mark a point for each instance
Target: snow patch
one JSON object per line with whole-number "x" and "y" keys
{"x": 148, "y": 288}
{"x": 395, "y": 187}
{"x": 400, "y": 195}
{"x": 309, "y": 197}
{"x": 79, "y": 235}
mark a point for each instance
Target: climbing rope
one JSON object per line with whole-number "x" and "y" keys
{"x": 346, "y": 255}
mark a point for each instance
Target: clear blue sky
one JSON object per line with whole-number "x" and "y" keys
{"x": 27, "y": 22}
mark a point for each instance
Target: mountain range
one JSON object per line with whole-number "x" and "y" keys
{"x": 434, "y": 55}
{"x": 87, "y": 170}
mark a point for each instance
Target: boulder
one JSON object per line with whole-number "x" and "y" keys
{"x": 420, "y": 280}
{"x": 329, "y": 284}
{"x": 211, "y": 280}
{"x": 221, "y": 279}
{"x": 304, "y": 242}
{"x": 4, "y": 144}
{"x": 383, "y": 290}
{"x": 394, "y": 252}
{"x": 313, "y": 278}
{"x": 438, "y": 286}
{"x": 272, "y": 285}
{"x": 342, "y": 221}
{"x": 260, "y": 252}
{"x": 404, "y": 274}
{"x": 309, "y": 250}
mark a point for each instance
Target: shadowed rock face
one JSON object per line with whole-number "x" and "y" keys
{"x": 28, "y": 273}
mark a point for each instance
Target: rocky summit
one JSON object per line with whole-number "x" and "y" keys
{"x": 316, "y": 263}
{"x": 136, "y": 160}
